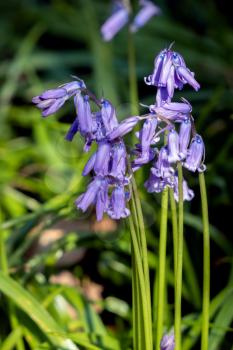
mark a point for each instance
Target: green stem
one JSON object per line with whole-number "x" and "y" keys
{"x": 137, "y": 269}
{"x": 133, "y": 88}
{"x": 142, "y": 240}
{"x": 178, "y": 288}
{"x": 136, "y": 204}
{"x": 206, "y": 264}
{"x": 174, "y": 228}
{"x": 162, "y": 267}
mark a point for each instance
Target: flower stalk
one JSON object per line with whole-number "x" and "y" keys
{"x": 179, "y": 268}
{"x": 206, "y": 264}
{"x": 162, "y": 267}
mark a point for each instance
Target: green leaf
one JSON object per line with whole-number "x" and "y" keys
{"x": 35, "y": 311}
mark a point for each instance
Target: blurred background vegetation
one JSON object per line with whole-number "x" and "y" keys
{"x": 70, "y": 276}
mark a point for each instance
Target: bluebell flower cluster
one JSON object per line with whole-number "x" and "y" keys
{"x": 168, "y": 136}
{"x": 108, "y": 165}
{"x": 174, "y": 121}
{"x": 120, "y": 16}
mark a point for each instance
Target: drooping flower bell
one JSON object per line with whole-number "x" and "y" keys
{"x": 52, "y": 100}
{"x": 116, "y": 21}
{"x": 168, "y": 342}
{"x": 170, "y": 73}
{"x": 147, "y": 11}
{"x": 196, "y": 155}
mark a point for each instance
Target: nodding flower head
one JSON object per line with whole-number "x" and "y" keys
{"x": 196, "y": 155}
{"x": 188, "y": 194}
{"x": 115, "y": 22}
{"x": 170, "y": 72}
{"x": 118, "y": 208}
{"x": 108, "y": 115}
{"x": 173, "y": 146}
{"x": 147, "y": 11}
{"x": 52, "y": 100}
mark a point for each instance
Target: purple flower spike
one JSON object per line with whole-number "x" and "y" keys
{"x": 168, "y": 342}
{"x": 89, "y": 165}
{"x": 72, "y": 130}
{"x": 101, "y": 166}
{"x": 89, "y": 197}
{"x": 173, "y": 146}
{"x": 118, "y": 166}
{"x": 84, "y": 114}
{"x": 147, "y": 11}
{"x": 188, "y": 194}
{"x": 115, "y": 22}
{"x": 123, "y": 128}
{"x": 102, "y": 200}
{"x": 184, "y": 137}
{"x": 108, "y": 114}
{"x": 188, "y": 77}
{"x": 196, "y": 155}
{"x": 118, "y": 208}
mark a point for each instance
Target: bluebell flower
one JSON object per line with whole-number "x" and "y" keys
{"x": 173, "y": 111}
{"x": 162, "y": 167}
{"x": 147, "y": 11}
{"x": 52, "y": 100}
{"x": 173, "y": 146}
{"x": 108, "y": 115}
{"x": 118, "y": 160}
{"x": 101, "y": 166}
{"x": 123, "y": 128}
{"x": 188, "y": 194}
{"x": 118, "y": 209}
{"x": 89, "y": 197}
{"x": 170, "y": 72}
{"x": 196, "y": 154}
{"x": 184, "y": 137}
{"x": 102, "y": 200}
{"x": 72, "y": 130}
{"x": 115, "y": 22}
{"x": 89, "y": 165}
{"x": 146, "y": 138}
{"x": 168, "y": 342}
{"x": 155, "y": 184}
{"x": 83, "y": 111}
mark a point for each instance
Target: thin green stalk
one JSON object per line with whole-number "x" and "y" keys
{"x": 136, "y": 310}
{"x": 178, "y": 288}
{"x": 162, "y": 267}
{"x": 138, "y": 216}
{"x": 138, "y": 269}
{"x": 174, "y": 228}
{"x": 143, "y": 244}
{"x": 206, "y": 264}
{"x": 133, "y": 88}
